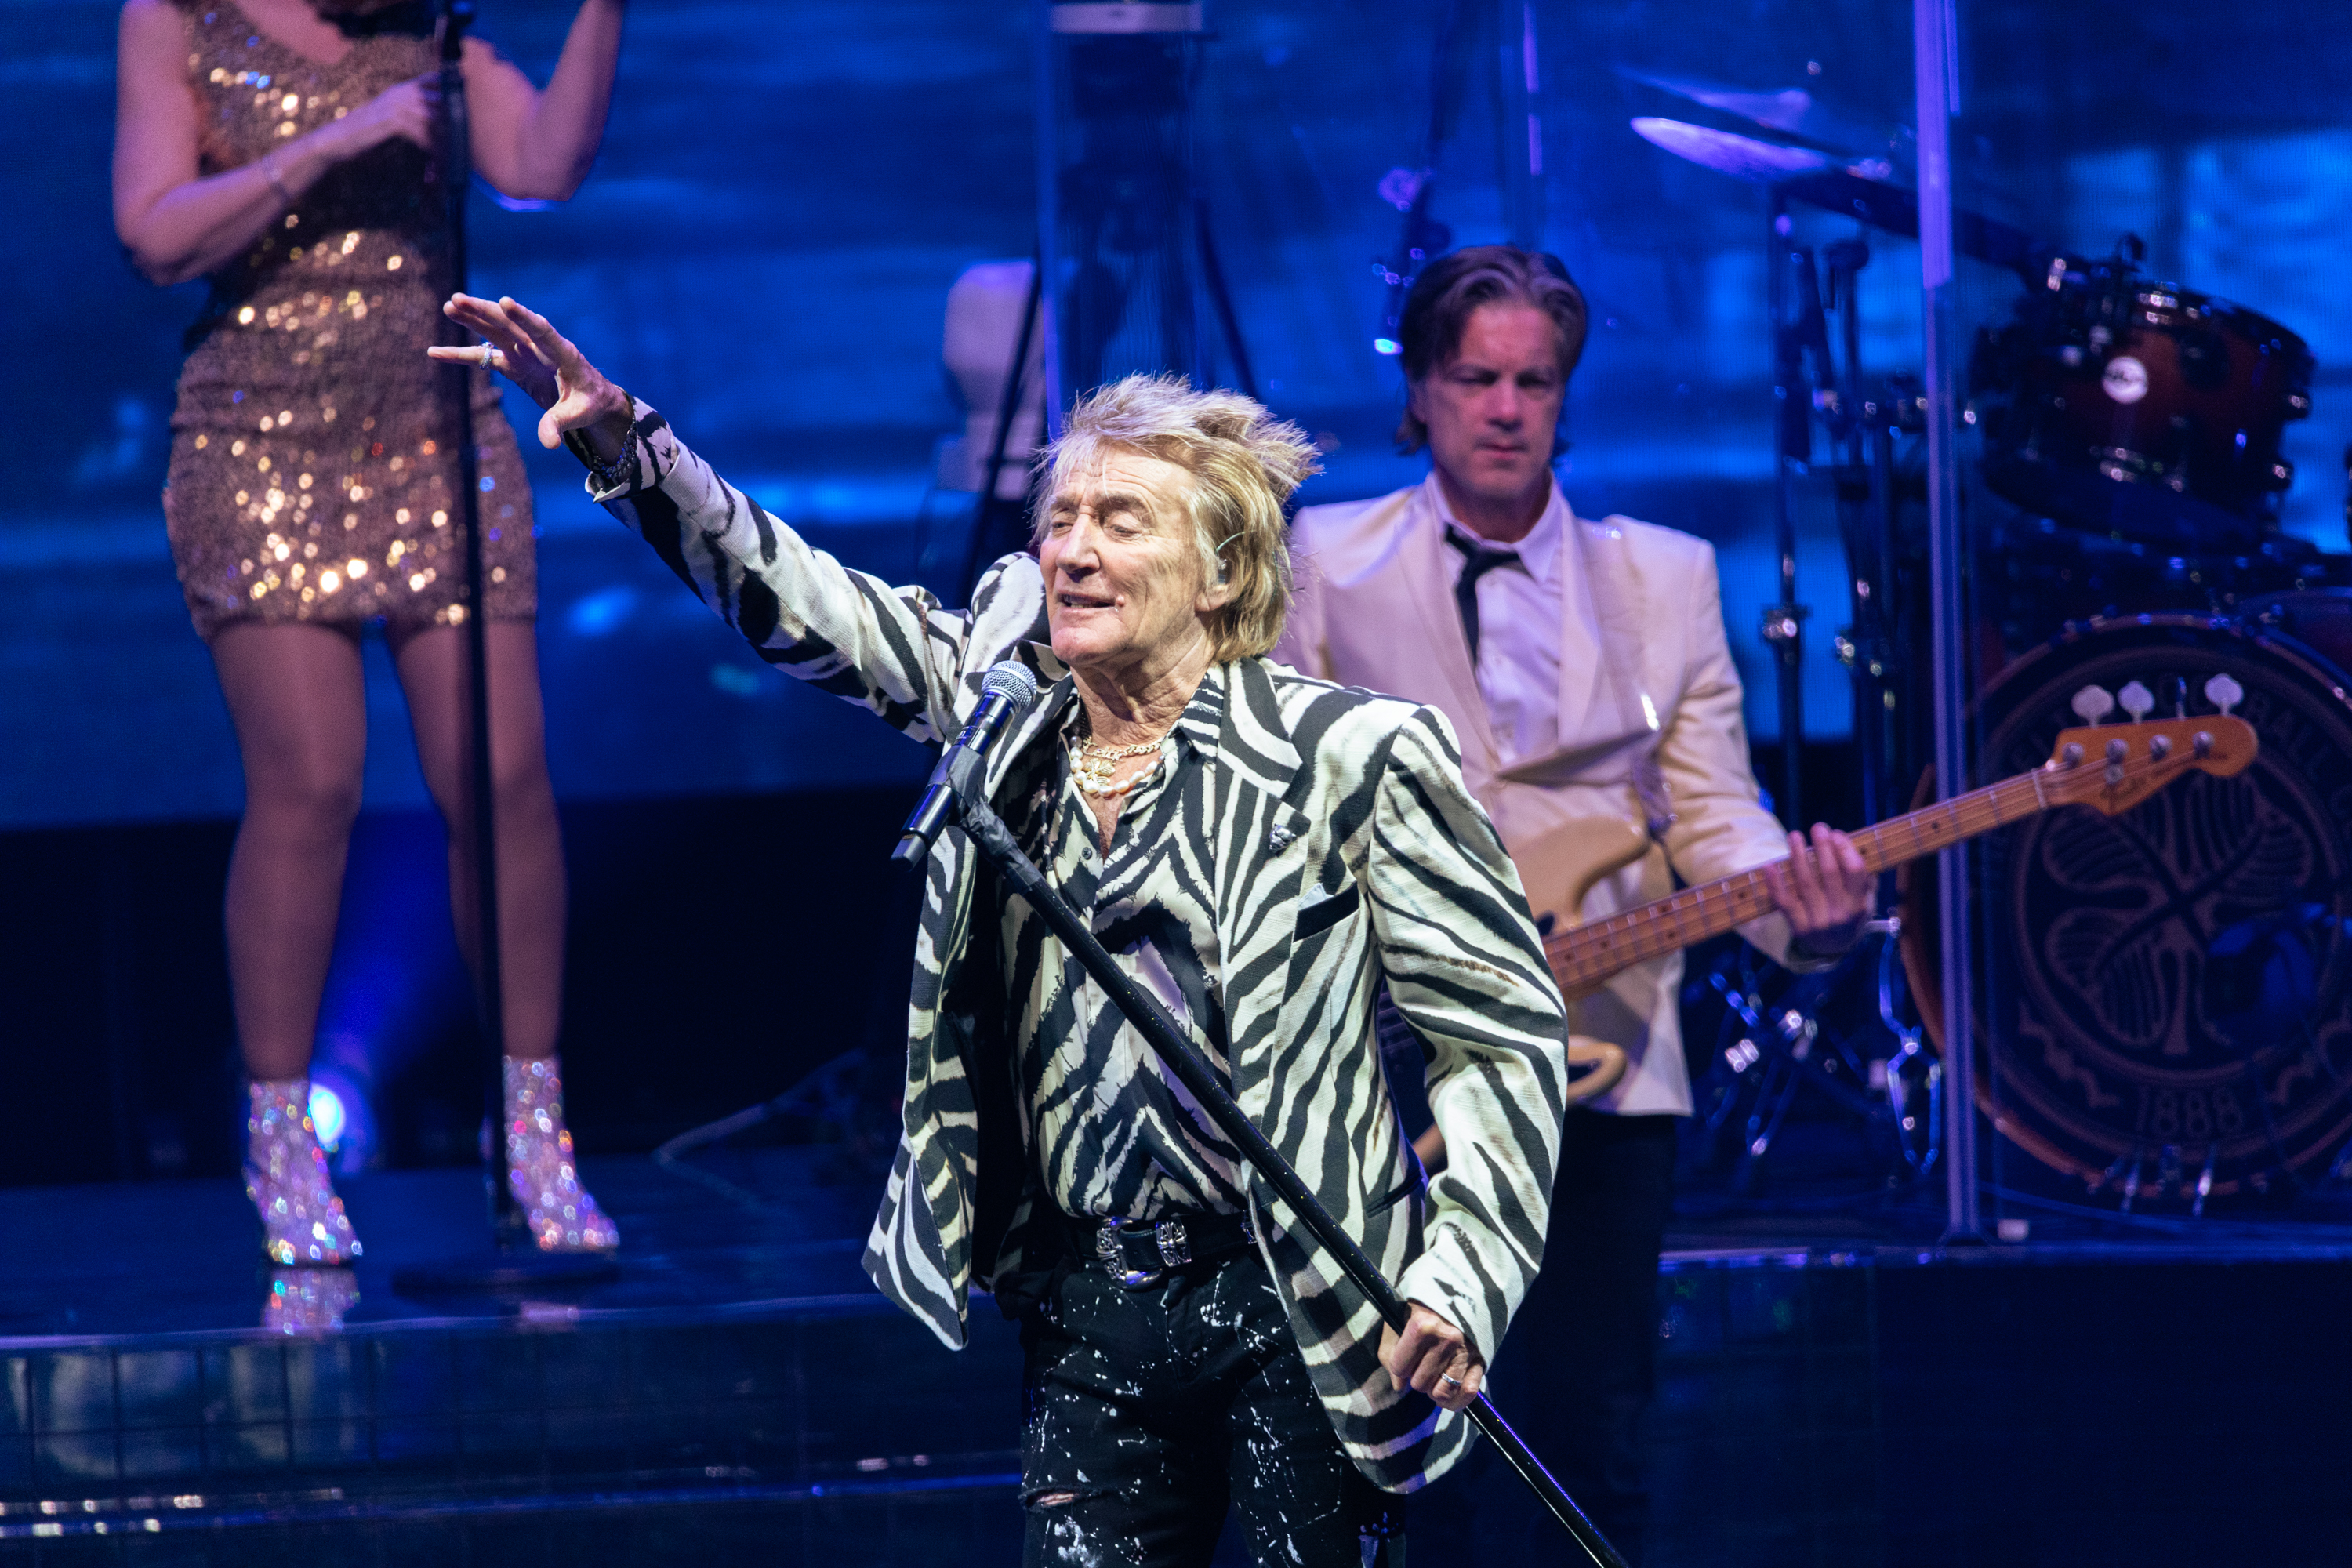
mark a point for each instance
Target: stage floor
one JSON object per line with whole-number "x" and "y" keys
{"x": 160, "y": 1258}
{"x": 1835, "y": 1388}
{"x": 99, "y": 1262}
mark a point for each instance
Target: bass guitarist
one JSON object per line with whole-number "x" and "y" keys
{"x": 1584, "y": 667}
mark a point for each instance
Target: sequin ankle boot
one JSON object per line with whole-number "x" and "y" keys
{"x": 302, "y": 1220}
{"x": 539, "y": 1171}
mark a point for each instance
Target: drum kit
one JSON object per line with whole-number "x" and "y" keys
{"x": 2165, "y": 1011}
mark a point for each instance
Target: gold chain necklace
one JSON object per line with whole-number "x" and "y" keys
{"x": 1094, "y": 769}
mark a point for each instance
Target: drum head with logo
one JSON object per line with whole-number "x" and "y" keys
{"x": 2168, "y": 996}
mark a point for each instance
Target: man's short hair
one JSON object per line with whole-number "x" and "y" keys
{"x": 1451, "y": 288}
{"x": 1245, "y": 465}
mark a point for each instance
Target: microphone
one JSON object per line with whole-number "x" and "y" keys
{"x": 1006, "y": 689}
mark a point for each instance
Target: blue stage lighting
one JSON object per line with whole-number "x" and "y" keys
{"x": 342, "y": 1114}
{"x": 1387, "y": 346}
{"x": 326, "y": 1118}
{"x": 594, "y": 614}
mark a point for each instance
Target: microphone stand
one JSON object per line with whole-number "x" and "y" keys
{"x": 1200, "y": 1079}
{"x": 515, "y": 1258}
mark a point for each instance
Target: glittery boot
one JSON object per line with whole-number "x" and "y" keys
{"x": 309, "y": 1301}
{"x": 302, "y": 1220}
{"x": 562, "y": 1216}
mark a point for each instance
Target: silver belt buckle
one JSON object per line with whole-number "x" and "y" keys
{"x": 1114, "y": 1256}
{"x": 1175, "y": 1246}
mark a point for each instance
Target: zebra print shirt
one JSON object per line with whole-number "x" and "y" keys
{"x": 1113, "y": 1134}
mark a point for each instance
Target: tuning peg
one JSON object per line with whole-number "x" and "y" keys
{"x": 2137, "y": 700}
{"x": 2093, "y": 704}
{"x": 2224, "y": 693}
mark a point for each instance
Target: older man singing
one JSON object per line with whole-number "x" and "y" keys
{"x": 1260, "y": 851}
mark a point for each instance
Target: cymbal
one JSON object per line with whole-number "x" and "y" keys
{"x": 1792, "y": 110}
{"x": 1864, "y": 189}
{"x": 1742, "y": 157}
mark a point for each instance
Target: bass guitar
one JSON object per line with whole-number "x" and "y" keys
{"x": 2110, "y": 768}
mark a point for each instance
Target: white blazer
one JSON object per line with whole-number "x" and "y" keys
{"x": 1374, "y": 608}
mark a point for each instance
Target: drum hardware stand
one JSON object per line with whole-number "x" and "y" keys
{"x": 1809, "y": 382}
{"x": 1867, "y": 647}
{"x": 1798, "y": 332}
{"x": 1200, "y": 1079}
{"x": 1787, "y": 1039}
{"x": 513, "y": 1258}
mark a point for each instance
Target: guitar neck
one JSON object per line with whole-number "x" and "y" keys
{"x": 1585, "y": 955}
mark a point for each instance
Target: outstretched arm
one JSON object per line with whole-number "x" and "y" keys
{"x": 894, "y": 651}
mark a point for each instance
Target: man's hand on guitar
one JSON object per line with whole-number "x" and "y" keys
{"x": 1824, "y": 889}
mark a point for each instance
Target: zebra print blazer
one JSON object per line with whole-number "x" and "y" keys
{"x": 1346, "y": 851}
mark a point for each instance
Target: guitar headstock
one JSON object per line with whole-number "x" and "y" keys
{"x": 2115, "y": 766}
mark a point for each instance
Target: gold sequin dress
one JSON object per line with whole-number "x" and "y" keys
{"x": 314, "y": 475}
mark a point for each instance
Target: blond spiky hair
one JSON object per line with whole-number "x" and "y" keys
{"x": 1245, "y": 465}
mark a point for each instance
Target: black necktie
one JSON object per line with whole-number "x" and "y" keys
{"x": 1477, "y": 560}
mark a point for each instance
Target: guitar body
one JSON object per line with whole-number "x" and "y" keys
{"x": 1559, "y": 868}
{"x": 1561, "y": 864}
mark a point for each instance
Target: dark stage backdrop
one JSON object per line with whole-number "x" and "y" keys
{"x": 788, "y": 189}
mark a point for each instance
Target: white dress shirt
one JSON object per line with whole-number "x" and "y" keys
{"x": 1524, "y": 627}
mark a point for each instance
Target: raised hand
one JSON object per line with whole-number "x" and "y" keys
{"x": 1824, "y": 889}
{"x": 541, "y": 361}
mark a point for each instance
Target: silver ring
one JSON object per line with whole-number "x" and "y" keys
{"x": 488, "y": 352}
{"x": 1449, "y": 1377}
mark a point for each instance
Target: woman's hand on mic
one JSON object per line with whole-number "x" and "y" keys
{"x": 406, "y": 111}
{"x": 544, "y": 363}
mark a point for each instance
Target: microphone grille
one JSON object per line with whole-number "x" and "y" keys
{"x": 1012, "y": 680}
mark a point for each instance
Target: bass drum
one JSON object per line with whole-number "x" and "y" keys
{"x": 2166, "y": 1005}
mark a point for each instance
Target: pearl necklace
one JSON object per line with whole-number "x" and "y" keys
{"x": 1095, "y": 769}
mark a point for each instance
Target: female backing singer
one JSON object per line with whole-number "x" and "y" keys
{"x": 283, "y": 149}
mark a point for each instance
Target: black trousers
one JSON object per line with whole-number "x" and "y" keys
{"x": 1151, "y": 1411}
{"x": 1579, "y": 1362}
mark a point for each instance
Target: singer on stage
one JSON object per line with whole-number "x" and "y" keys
{"x": 1260, "y": 851}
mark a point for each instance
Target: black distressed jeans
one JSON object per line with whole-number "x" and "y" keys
{"x": 1151, "y": 1411}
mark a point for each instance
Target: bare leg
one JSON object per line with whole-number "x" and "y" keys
{"x": 530, "y": 849}
{"x": 297, "y": 697}
{"x": 540, "y": 1168}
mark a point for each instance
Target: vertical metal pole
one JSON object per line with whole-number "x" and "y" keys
{"x": 457, "y": 182}
{"x": 1520, "y": 132}
{"x": 1049, "y": 222}
{"x": 1784, "y": 622}
{"x": 1935, "y": 38}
